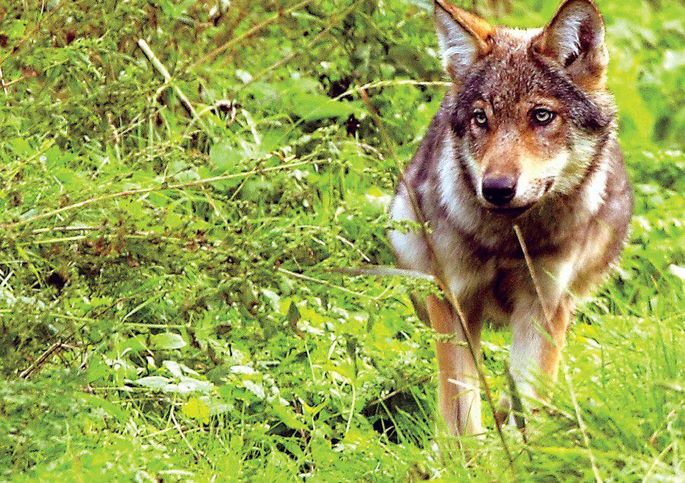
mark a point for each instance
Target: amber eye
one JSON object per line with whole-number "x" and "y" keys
{"x": 542, "y": 116}
{"x": 480, "y": 118}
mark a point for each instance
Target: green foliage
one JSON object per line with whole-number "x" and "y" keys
{"x": 167, "y": 305}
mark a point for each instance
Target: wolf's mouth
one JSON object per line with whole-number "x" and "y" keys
{"x": 511, "y": 212}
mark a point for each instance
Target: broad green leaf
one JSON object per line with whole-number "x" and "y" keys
{"x": 197, "y": 409}
{"x": 153, "y": 382}
{"x": 313, "y": 107}
{"x": 167, "y": 341}
{"x": 288, "y": 416}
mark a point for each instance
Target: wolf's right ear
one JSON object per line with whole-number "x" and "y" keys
{"x": 463, "y": 38}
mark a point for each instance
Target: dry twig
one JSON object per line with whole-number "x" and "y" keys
{"x": 42, "y": 359}
{"x": 159, "y": 67}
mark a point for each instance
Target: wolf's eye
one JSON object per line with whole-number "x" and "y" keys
{"x": 480, "y": 118}
{"x": 542, "y": 116}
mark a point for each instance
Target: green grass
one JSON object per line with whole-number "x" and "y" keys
{"x": 167, "y": 305}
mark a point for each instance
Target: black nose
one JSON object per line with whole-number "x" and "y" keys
{"x": 499, "y": 190}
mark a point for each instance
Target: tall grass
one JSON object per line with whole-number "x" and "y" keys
{"x": 168, "y": 304}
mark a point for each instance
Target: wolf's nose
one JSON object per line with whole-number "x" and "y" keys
{"x": 499, "y": 190}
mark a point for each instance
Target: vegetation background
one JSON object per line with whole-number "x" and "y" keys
{"x": 167, "y": 305}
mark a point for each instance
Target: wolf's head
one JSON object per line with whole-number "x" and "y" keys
{"x": 529, "y": 108}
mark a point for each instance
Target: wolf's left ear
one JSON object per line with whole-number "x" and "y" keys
{"x": 463, "y": 38}
{"x": 575, "y": 39}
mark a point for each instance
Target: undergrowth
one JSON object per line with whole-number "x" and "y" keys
{"x": 169, "y": 305}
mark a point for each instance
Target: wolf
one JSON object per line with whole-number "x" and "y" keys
{"x": 526, "y": 136}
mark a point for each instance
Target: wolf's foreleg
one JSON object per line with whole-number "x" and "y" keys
{"x": 537, "y": 343}
{"x": 458, "y": 386}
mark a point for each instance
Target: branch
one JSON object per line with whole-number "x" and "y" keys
{"x": 159, "y": 67}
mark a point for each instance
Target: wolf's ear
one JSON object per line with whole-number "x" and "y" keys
{"x": 463, "y": 38}
{"x": 575, "y": 39}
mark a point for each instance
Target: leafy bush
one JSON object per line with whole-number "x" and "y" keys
{"x": 168, "y": 308}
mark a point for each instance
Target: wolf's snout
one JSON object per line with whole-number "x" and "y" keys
{"x": 499, "y": 190}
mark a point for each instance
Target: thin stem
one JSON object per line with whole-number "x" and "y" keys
{"x": 439, "y": 275}
{"x": 548, "y": 317}
{"x": 581, "y": 425}
{"x": 533, "y": 276}
{"x": 324, "y": 282}
{"x": 388, "y": 83}
{"x": 142, "y": 191}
